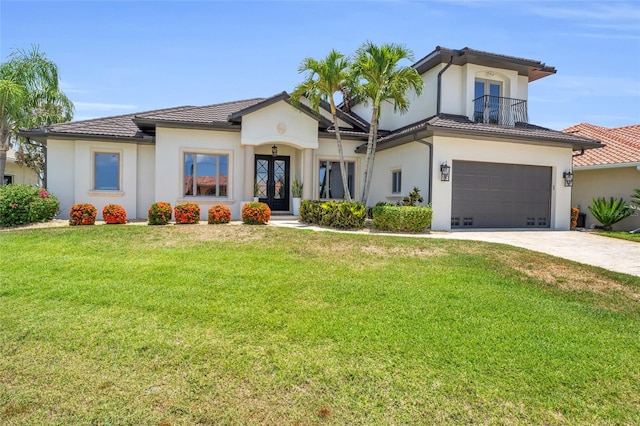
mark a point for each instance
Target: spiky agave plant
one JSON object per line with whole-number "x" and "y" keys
{"x": 609, "y": 211}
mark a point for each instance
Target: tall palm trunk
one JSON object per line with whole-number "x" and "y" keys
{"x": 343, "y": 166}
{"x": 4, "y": 147}
{"x": 371, "y": 154}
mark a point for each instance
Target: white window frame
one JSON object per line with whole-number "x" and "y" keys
{"x": 11, "y": 177}
{"x": 196, "y": 151}
{"x": 316, "y": 179}
{"x": 95, "y": 190}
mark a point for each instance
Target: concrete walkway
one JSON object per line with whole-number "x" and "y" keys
{"x": 608, "y": 253}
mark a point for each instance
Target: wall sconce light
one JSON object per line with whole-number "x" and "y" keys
{"x": 568, "y": 178}
{"x": 445, "y": 172}
{"x": 274, "y": 151}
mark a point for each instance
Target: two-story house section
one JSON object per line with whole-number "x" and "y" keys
{"x": 465, "y": 142}
{"x": 472, "y": 122}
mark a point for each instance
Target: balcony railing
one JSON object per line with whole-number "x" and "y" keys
{"x": 498, "y": 110}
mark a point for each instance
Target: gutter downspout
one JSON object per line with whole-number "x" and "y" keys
{"x": 446, "y": 67}
{"x": 579, "y": 154}
{"x": 430, "y": 172}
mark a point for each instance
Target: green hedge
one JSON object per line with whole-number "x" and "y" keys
{"x": 335, "y": 214}
{"x": 22, "y": 204}
{"x": 402, "y": 218}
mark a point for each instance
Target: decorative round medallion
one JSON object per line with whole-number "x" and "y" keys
{"x": 281, "y": 127}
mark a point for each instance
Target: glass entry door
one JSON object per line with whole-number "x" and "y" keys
{"x": 272, "y": 181}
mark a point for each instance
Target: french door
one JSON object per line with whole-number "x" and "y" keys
{"x": 487, "y": 93}
{"x": 272, "y": 181}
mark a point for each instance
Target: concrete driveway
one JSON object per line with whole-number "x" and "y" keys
{"x": 608, "y": 253}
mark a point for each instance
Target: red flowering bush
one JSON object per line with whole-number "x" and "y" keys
{"x": 574, "y": 217}
{"x": 159, "y": 213}
{"x": 114, "y": 213}
{"x": 82, "y": 214}
{"x": 256, "y": 213}
{"x": 187, "y": 213}
{"x": 219, "y": 214}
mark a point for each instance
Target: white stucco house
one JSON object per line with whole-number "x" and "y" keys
{"x": 17, "y": 173}
{"x": 472, "y": 117}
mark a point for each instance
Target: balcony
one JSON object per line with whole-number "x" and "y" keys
{"x": 498, "y": 110}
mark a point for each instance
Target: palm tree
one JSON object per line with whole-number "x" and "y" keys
{"x": 378, "y": 78}
{"x": 325, "y": 78}
{"x": 29, "y": 96}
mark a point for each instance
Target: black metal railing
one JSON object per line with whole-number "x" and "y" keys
{"x": 498, "y": 110}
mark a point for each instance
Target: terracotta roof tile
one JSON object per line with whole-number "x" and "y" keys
{"x": 622, "y": 144}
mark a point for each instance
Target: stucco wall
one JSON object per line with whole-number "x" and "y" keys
{"x": 281, "y": 123}
{"x": 171, "y": 144}
{"x": 612, "y": 182}
{"x": 413, "y": 160}
{"x": 447, "y": 148}
{"x": 61, "y": 173}
{"x": 21, "y": 175}
{"x": 146, "y": 174}
{"x": 84, "y": 169}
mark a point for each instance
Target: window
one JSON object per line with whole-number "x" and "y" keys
{"x": 487, "y": 95}
{"x": 330, "y": 179}
{"x": 396, "y": 181}
{"x": 106, "y": 175}
{"x": 8, "y": 179}
{"x": 206, "y": 175}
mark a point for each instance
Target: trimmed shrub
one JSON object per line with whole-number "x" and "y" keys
{"x": 187, "y": 213}
{"x": 22, "y": 204}
{"x": 574, "y": 217}
{"x": 219, "y": 214}
{"x": 114, "y": 214}
{"x": 402, "y": 218}
{"x": 82, "y": 214}
{"x": 335, "y": 214}
{"x": 159, "y": 213}
{"x": 256, "y": 213}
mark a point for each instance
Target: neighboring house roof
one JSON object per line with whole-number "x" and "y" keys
{"x": 533, "y": 69}
{"x": 458, "y": 124}
{"x": 622, "y": 145}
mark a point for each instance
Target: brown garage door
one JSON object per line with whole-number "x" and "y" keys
{"x": 495, "y": 195}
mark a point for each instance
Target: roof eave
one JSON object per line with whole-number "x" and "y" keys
{"x": 42, "y": 137}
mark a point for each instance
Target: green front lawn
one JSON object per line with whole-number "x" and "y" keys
{"x": 620, "y": 235}
{"x": 237, "y": 324}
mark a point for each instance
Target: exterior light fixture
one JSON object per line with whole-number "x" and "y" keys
{"x": 445, "y": 172}
{"x": 274, "y": 151}
{"x": 568, "y": 178}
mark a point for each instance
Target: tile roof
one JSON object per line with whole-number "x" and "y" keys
{"x": 124, "y": 126}
{"x": 463, "y": 124}
{"x": 217, "y": 113}
{"x": 622, "y": 144}
{"x": 118, "y": 126}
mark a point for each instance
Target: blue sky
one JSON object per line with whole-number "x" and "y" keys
{"x": 118, "y": 57}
